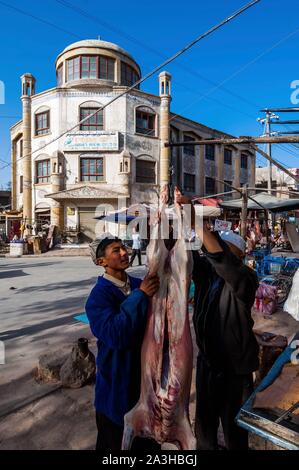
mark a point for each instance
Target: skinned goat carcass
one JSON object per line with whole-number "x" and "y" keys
{"x": 162, "y": 412}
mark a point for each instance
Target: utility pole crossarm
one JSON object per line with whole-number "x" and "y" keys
{"x": 240, "y": 140}
{"x": 249, "y": 141}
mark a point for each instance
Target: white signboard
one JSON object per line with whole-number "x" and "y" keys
{"x": 93, "y": 140}
{"x": 222, "y": 225}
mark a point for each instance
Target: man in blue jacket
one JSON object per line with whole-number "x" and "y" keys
{"x": 117, "y": 312}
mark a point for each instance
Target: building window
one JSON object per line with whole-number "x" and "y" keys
{"x": 227, "y": 185}
{"x": 90, "y": 66}
{"x": 43, "y": 171}
{"x": 91, "y": 169}
{"x": 94, "y": 123}
{"x": 128, "y": 75}
{"x": 21, "y": 184}
{"x": 73, "y": 69}
{"x": 145, "y": 123}
{"x": 189, "y": 149}
{"x": 210, "y": 186}
{"x": 106, "y": 68}
{"x": 210, "y": 152}
{"x": 244, "y": 160}
{"x": 42, "y": 123}
{"x": 145, "y": 171}
{"x": 21, "y": 148}
{"x": 59, "y": 75}
{"x": 228, "y": 156}
{"x": 261, "y": 184}
{"x": 189, "y": 182}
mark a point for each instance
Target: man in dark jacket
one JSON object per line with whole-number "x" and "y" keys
{"x": 117, "y": 313}
{"x": 228, "y": 352}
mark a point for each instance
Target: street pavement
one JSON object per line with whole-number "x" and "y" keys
{"x": 38, "y": 300}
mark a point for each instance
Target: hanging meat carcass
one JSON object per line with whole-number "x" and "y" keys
{"x": 162, "y": 412}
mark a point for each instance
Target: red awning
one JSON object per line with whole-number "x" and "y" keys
{"x": 212, "y": 202}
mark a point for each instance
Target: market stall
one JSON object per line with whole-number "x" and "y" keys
{"x": 272, "y": 411}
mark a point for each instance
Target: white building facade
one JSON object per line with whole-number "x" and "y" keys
{"x": 285, "y": 186}
{"x": 64, "y": 173}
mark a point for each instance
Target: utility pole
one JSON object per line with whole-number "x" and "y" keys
{"x": 269, "y": 149}
{"x": 244, "y": 211}
{"x": 267, "y": 121}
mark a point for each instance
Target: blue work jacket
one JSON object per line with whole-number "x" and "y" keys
{"x": 118, "y": 322}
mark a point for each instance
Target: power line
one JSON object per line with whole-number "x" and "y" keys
{"x": 287, "y": 150}
{"x": 155, "y": 70}
{"x": 9, "y": 117}
{"x": 30, "y": 15}
{"x": 241, "y": 69}
{"x": 132, "y": 39}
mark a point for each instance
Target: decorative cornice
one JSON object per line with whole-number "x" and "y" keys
{"x": 87, "y": 192}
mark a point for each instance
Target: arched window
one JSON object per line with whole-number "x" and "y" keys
{"x": 42, "y": 121}
{"x": 91, "y": 66}
{"x": 59, "y": 75}
{"x": 146, "y": 122}
{"x": 128, "y": 75}
{"x": 95, "y": 122}
{"x": 42, "y": 169}
{"x": 188, "y": 149}
{"x": 145, "y": 169}
{"x": 244, "y": 161}
{"x": 228, "y": 153}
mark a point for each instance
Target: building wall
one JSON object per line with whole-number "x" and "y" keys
{"x": 64, "y": 104}
{"x": 280, "y": 180}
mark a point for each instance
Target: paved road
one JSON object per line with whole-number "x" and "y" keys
{"x": 38, "y": 300}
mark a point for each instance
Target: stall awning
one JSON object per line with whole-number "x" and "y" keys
{"x": 41, "y": 210}
{"x": 125, "y": 216}
{"x": 117, "y": 217}
{"x": 268, "y": 201}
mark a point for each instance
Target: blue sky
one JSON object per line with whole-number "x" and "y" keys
{"x": 222, "y": 82}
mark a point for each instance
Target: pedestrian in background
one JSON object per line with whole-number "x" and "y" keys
{"x": 136, "y": 248}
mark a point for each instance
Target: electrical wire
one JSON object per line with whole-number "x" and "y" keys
{"x": 23, "y": 12}
{"x": 137, "y": 42}
{"x": 154, "y": 71}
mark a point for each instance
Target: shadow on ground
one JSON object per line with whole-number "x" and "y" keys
{"x": 13, "y": 273}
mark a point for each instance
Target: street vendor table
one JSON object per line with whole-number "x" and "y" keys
{"x": 263, "y": 422}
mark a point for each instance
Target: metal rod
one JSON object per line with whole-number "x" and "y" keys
{"x": 288, "y": 132}
{"x": 287, "y": 412}
{"x": 251, "y": 141}
{"x": 285, "y": 122}
{"x": 280, "y": 110}
{"x": 239, "y": 190}
{"x": 265, "y": 155}
{"x": 212, "y": 195}
{"x": 274, "y": 191}
{"x": 238, "y": 140}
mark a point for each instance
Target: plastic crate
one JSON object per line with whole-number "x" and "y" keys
{"x": 259, "y": 256}
{"x": 273, "y": 264}
{"x": 291, "y": 265}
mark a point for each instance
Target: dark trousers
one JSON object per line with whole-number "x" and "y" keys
{"x": 110, "y": 437}
{"x": 219, "y": 397}
{"x": 134, "y": 253}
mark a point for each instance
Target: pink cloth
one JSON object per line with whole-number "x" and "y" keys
{"x": 266, "y": 299}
